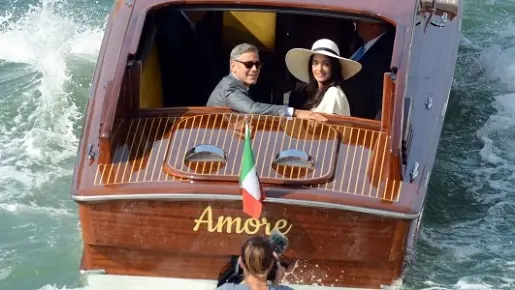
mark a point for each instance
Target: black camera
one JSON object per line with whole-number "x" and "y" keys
{"x": 271, "y": 276}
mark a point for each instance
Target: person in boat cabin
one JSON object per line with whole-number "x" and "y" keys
{"x": 365, "y": 90}
{"x": 257, "y": 259}
{"x": 233, "y": 90}
{"x": 323, "y": 69}
{"x": 182, "y": 39}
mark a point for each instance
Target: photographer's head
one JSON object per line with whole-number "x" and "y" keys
{"x": 260, "y": 264}
{"x": 257, "y": 257}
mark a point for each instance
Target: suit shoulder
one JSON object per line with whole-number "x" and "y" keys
{"x": 232, "y": 85}
{"x": 227, "y": 82}
{"x": 233, "y": 82}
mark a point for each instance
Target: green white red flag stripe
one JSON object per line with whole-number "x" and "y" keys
{"x": 249, "y": 180}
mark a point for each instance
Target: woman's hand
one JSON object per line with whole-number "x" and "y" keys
{"x": 305, "y": 114}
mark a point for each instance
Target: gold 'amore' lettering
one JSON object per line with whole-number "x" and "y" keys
{"x": 237, "y": 225}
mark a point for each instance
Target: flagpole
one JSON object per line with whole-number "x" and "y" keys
{"x": 246, "y": 120}
{"x": 251, "y": 191}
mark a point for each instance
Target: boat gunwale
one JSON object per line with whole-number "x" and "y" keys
{"x": 183, "y": 111}
{"x": 232, "y": 191}
{"x": 221, "y": 197}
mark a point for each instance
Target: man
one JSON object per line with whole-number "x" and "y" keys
{"x": 233, "y": 90}
{"x": 183, "y": 38}
{"x": 365, "y": 90}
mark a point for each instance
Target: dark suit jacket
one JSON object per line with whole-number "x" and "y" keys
{"x": 231, "y": 92}
{"x": 365, "y": 89}
{"x": 188, "y": 58}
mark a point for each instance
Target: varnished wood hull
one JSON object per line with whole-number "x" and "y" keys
{"x": 353, "y": 219}
{"x": 123, "y": 282}
{"x": 196, "y": 239}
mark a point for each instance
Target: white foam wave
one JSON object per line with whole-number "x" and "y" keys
{"x": 24, "y": 209}
{"x": 498, "y": 152}
{"x": 40, "y": 118}
{"x": 498, "y": 63}
{"x": 477, "y": 283}
{"x": 53, "y": 287}
{"x": 497, "y": 169}
{"x": 39, "y": 114}
{"x": 473, "y": 283}
{"x": 494, "y": 178}
{"x": 467, "y": 43}
{"x": 469, "y": 244}
{"x": 5, "y": 272}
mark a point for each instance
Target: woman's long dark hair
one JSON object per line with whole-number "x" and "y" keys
{"x": 315, "y": 94}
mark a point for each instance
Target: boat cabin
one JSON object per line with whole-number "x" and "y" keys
{"x": 178, "y": 54}
{"x": 184, "y": 51}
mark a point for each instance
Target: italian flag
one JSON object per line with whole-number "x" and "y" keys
{"x": 249, "y": 180}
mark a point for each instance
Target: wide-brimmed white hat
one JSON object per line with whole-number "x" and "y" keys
{"x": 297, "y": 59}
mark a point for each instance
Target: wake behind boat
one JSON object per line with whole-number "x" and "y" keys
{"x": 157, "y": 174}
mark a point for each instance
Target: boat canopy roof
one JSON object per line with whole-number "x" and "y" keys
{"x": 386, "y": 10}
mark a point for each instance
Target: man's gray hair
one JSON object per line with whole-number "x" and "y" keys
{"x": 242, "y": 48}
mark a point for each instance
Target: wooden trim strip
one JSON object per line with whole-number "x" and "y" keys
{"x": 217, "y": 197}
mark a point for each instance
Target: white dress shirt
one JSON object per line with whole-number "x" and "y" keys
{"x": 367, "y": 45}
{"x": 191, "y": 23}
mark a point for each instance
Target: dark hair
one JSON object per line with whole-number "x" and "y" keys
{"x": 315, "y": 94}
{"x": 257, "y": 255}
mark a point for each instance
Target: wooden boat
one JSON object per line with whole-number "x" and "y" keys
{"x": 156, "y": 213}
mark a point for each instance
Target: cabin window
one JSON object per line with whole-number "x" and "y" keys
{"x": 180, "y": 68}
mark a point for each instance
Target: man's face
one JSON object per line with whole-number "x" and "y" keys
{"x": 246, "y": 68}
{"x": 368, "y": 30}
{"x": 196, "y": 16}
{"x": 362, "y": 29}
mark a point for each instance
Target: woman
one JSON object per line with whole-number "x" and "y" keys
{"x": 323, "y": 70}
{"x": 257, "y": 260}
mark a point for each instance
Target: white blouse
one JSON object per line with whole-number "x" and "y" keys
{"x": 334, "y": 101}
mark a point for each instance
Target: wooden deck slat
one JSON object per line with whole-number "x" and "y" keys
{"x": 143, "y": 145}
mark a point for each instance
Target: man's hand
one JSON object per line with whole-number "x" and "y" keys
{"x": 305, "y": 114}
